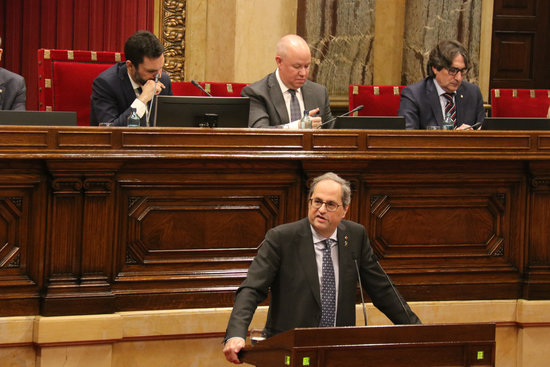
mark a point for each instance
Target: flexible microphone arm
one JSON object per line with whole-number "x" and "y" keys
{"x": 358, "y": 108}
{"x": 201, "y": 88}
{"x": 361, "y": 291}
{"x": 152, "y": 99}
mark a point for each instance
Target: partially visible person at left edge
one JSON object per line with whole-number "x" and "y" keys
{"x": 130, "y": 84}
{"x": 426, "y": 102}
{"x": 13, "y": 93}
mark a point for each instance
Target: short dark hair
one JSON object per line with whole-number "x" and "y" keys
{"x": 442, "y": 55}
{"x": 142, "y": 44}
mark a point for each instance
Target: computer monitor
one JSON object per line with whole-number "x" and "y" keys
{"x": 370, "y": 122}
{"x": 34, "y": 118}
{"x": 186, "y": 111}
{"x": 515, "y": 123}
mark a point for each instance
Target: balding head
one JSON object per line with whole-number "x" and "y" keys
{"x": 293, "y": 58}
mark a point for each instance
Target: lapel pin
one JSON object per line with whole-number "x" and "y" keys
{"x": 345, "y": 241}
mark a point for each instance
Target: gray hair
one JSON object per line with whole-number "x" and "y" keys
{"x": 346, "y": 189}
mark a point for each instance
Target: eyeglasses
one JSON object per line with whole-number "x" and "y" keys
{"x": 453, "y": 71}
{"x": 330, "y": 205}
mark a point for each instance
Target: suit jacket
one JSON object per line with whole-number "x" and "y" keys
{"x": 285, "y": 265}
{"x": 13, "y": 92}
{"x": 421, "y": 107}
{"x": 112, "y": 95}
{"x": 267, "y": 104}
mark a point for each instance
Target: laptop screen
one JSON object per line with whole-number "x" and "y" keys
{"x": 187, "y": 111}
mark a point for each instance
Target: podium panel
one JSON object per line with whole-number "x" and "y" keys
{"x": 400, "y": 345}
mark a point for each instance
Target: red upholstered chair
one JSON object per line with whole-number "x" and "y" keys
{"x": 215, "y": 89}
{"x": 186, "y": 89}
{"x": 65, "y": 79}
{"x": 520, "y": 102}
{"x": 378, "y": 100}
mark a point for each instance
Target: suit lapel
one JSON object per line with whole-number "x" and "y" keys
{"x": 128, "y": 90}
{"x": 277, "y": 99}
{"x": 460, "y": 99}
{"x": 433, "y": 98}
{"x": 306, "y": 252}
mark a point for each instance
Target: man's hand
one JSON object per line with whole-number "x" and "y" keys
{"x": 316, "y": 121}
{"x": 464, "y": 127}
{"x": 147, "y": 90}
{"x": 232, "y": 347}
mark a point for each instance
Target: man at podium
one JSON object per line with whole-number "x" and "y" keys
{"x": 309, "y": 267}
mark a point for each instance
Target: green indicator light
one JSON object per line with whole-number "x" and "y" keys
{"x": 305, "y": 361}
{"x": 287, "y": 360}
{"x": 480, "y": 354}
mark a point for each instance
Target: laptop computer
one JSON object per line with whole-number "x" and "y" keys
{"x": 38, "y": 118}
{"x": 370, "y": 122}
{"x": 515, "y": 123}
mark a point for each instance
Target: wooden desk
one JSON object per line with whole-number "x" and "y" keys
{"x": 99, "y": 220}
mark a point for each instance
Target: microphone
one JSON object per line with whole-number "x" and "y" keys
{"x": 152, "y": 99}
{"x": 201, "y": 88}
{"x": 358, "y": 108}
{"x": 360, "y": 286}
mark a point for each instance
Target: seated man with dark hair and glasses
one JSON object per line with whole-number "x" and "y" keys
{"x": 443, "y": 99}
{"x": 310, "y": 268}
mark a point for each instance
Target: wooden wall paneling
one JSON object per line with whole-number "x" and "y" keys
{"x": 538, "y": 256}
{"x": 193, "y": 228}
{"x": 519, "y": 56}
{"x": 79, "y": 268}
{"x": 22, "y": 224}
{"x": 426, "y": 231}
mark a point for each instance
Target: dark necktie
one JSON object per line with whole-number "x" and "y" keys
{"x": 450, "y": 108}
{"x": 295, "y": 113}
{"x": 328, "y": 288}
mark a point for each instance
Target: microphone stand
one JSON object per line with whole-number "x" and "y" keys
{"x": 358, "y": 108}
{"x": 152, "y": 100}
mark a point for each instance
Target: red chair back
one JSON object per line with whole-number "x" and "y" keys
{"x": 378, "y": 100}
{"x": 520, "y": 102}
{"x": 65, "y": 79}
{"x": 215, "y": 89}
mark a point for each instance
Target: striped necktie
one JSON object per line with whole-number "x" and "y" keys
{"x": 450, "y": 108}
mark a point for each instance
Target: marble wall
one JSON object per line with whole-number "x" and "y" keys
{"x": 429, "y": 21}
{"x": 341, "y": 38}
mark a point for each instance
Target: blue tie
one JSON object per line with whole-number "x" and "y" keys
{"x": 328, "y": 288}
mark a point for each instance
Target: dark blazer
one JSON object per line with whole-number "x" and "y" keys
{"x": 285, "y": 265}
{"x": 13, "y": 92}
{"x": 112, "y": 95}
{"x": 421, "y": 107}
{"x": 267, "y": 104}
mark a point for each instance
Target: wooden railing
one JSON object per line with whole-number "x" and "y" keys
{"x": 101, "y": 220}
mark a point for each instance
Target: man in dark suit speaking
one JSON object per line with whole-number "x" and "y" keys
{"x": 279, "y": 99}
{"x": 309, "y": 268}
{"x": 444, "y": 92}
{"x": 131, "y": 84}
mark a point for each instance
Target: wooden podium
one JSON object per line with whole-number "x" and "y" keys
{"x": 400, "y": 345}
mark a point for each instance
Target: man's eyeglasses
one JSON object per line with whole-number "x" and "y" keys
{"x": 453, "y": 71}
{"x": 330, "y": 205}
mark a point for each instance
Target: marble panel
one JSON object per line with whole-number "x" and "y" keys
{"x": 341, "y": 36}
{"x": 429, "y": 21}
